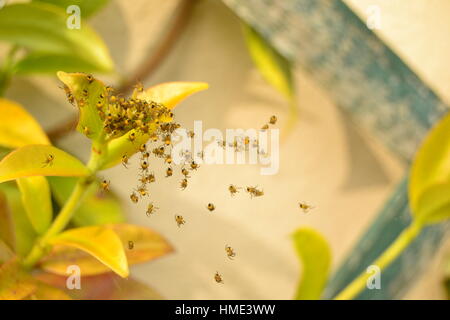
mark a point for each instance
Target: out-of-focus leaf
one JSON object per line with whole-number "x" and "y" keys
{"x": 429, "y": 184}
{"x": 273, "y": 66}
{"x": 89, "y": 116}
{"x": 42, "y": 28}
{"x": 97, "y": 208}
{"x": 23, "y": 231}
{"x": 147, "y": 245}
{"x": 5, "y": 252}
{"x": 46, "y": 292}
{"x": 32, "y": 160}
{"x": 15, "y": 283}
{"x": 17, "y": 127}
{"x": 51, "y": 63}
{"x": 36, "y": 199}
{"x": 315, "y": 255}
{"x": 87, "y": 7}
{"x": 171, "y": 93}
{"x": 99, "y": 241}
{"x": 107, "y": 286}
{"x": 6, "y": 225}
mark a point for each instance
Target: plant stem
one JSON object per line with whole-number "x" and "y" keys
{"x": 388, "y": 256}
{"x": 69, "y": 208}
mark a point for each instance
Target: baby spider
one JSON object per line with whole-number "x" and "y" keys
{"x": 142, "y": 148}
{"x": 265, "y": 127}
{"x": 210, "y": 207}
{"x": 185, "y": 172}
{"x": 105, "y": 185}
{"x": 48, "y": 161}
{"x": 89, "y": 78}
{"x": 168, "y": 159}
{"x": 184, "y": 184}
{"x": 142, "y": 191}
{"x": 233, "y": 189}
{"x": 194, "y": 165}
{"x": 134, "y": 197}
{"x": 125, "y": 160}
{"x": 144, "y": 165}
{"x": 305, "y": 207}
{"x": 254, "y": 192}
{"x": 130, "y": 245}
{"x": 273, "y": 120}
{"x": 179, "y": 219}
{"x": 218, "y": 277}
{"x": 230, "y": 252}
{"x": 169, "y": 172}
{"x": 151, "y": 209}
{"x": 132, "y": 136}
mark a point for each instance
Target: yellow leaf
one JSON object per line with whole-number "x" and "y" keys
{"x": 99, "y": 241}
{"x": 35, "y": 160}
{"x": 36, "y": 199}
{"x": 46, "y": 292}
{"x": 147, "y": 245}
{"x": 17, "y": 127}
{"x": 429, "y": 180}
{"x": 15, "y": 283}
{"x": 315, "y": 255}
{"x": 171, "y": 93}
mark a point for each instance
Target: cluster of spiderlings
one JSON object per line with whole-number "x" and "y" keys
{"x": 122, "y": 115}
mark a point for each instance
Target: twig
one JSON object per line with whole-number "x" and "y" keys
{"x": 147, "y": 68}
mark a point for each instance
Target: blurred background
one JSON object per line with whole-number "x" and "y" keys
{"x": 326, "y": 160}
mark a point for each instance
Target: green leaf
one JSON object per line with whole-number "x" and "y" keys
{"x": 89, "y": 116}
{"x": 42, "y": 28}
{"x": 87, "y": 7}
{"x": 429, "y": 184}
{"x": 34, "y": 160}
{"x": 99, "y": 241}
{"x": 17, "y": 127}
{"x": 170, "y": 94}
{"x": 147, "y": 245}
{"x": 273, "y": 66}
{"x": 51, "y": 63}
{"x": 315, "y": 255}
{"x": 15, "y": 283}
{"x": 97, "y": 208}
{"x": 23, "y": 232}
{"x": 36, "y": 199}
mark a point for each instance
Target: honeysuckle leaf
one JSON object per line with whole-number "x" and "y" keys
{"x": 22, "y": 230}
{"x": 171, "y": 93}
{"x": 46, "y": 292}
{"x": 429, "y": 182}
{"x": 106, "y": 286}
{"x": 36, "y": 199}
{"x": 17, "y": 127}
{"x": 146, "y": 245}
{"x": 87, "y": 7}
{"x": 6, "y": 225}
{"x": 99, "y": 241}
{"x": 97, "y": 208}
{"x": 15, "y": 283}
{"x": 43, "y": 28}
{"x": 275, "y": 68}
{"x": 315, "y": 256}
{"x": 40, "y": 160}
{"x": 50, "y": 63}
{"x": 87, "y": 94}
